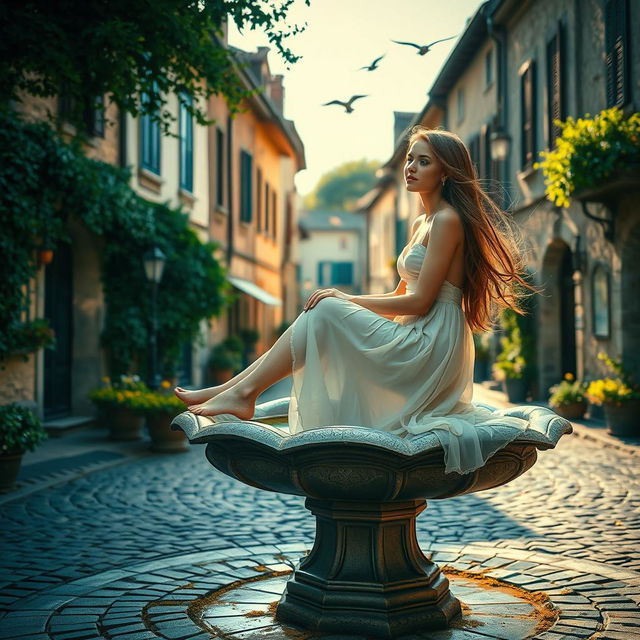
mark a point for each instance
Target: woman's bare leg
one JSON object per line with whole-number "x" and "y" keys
{"x": 240, "y": 399}
{"x": 198, "y": 396}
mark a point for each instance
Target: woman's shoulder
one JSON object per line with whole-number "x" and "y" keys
{"x": 449, "y": 218}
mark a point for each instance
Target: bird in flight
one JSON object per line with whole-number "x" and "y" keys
{"x": 347, "y": 105}
{"x": 425, "y": 48}
{"x": 373, "y": 66}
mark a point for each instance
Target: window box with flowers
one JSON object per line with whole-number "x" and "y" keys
{"x": 620, "y": 397}
{"x": 568, "y": 397}
{"x": 119, "y": 406}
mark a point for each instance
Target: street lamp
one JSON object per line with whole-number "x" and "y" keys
{"x": 499, "y": 141}
{"x": 154, "y": 261}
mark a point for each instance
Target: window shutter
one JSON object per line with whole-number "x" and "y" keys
{"x": 528, "y": 97}
{"x": 555, "y": 97}
{"x": 616, "y": 45}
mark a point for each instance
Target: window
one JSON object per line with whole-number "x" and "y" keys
{"x": 335, "y": 273}
{"x": 555, "y": 85}
{"x": 488, "y": 68}
{"x": 186, "y": 144}
{"x": 528, "y": 115}
{"x": 267, "y": 207}
{"x": 274, "y": 213}
{"x": 460, "y": 99}
{"x": 149, "y": 140}
{"x": 489, "y": 169}
{"x": 246, "y": 186}
{"x": 259, "y": 211}
{"x": 93, "y": 113}
{"x": 220, "y": 173}
{"x": 616, "y": 20}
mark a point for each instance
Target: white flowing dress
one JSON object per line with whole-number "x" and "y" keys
{"x": 407, "y": 376}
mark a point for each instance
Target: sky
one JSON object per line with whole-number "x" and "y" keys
{"x": 341, "y": 36}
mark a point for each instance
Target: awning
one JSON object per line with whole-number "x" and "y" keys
{"x": 252, "y": 289}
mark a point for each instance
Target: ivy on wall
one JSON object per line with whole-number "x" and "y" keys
{"x": 43, "y": 182}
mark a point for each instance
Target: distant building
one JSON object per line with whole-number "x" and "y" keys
{"x": 332, "y": 252}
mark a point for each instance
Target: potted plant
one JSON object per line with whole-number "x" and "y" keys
{"x": 223, "y": 361}
{"x": 160, "y": 408}
{"x": 620, "y": 397}
{"x": 117, "y": 402}
{"x": 513, "y": 366}
{"x": 590, "y": 152}
{"x": 249, "y": 337}
{"x": 568, "y": 397}
{"x": 20, "y": 431}
{"x": 481, "y": 343}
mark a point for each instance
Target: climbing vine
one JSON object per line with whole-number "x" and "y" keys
{"x": 43, "y": 182}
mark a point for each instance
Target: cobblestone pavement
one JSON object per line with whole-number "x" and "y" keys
{"x": 132, "y": 550}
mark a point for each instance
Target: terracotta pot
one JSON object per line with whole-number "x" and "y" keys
{"x": 571, "y": 410}
{"x": 516, "y": 389}
{"x": 623, "y": 419}
{"x": 163, "y": 438}
{"x": 9, "y": 469}
{"x": 125, "y": 423}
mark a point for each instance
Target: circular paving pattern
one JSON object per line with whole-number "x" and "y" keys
{"x": 231, "y": 593}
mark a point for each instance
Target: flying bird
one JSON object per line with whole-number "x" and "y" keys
{"x": 347, "y": 105}
{"x": 425, "y": 48}
{"x": 374, "y": 65}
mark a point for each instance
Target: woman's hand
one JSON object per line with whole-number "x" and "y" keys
{"x": 318, "y": 295}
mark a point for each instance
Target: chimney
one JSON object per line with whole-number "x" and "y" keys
{"x": 276, "y": 92}
{"x": 224, "y": 27}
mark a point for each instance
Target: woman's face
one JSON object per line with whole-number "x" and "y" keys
{"x": 423, "y": 172}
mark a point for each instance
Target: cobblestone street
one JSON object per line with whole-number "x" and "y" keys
{"x": 132, "y": 549}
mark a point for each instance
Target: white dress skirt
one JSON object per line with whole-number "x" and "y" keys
{"x": 407, "y": 376}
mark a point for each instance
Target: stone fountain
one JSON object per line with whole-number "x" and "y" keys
{"x": 365, "y": 573}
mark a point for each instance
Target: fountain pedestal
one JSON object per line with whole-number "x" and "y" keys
{"x": 366, "y": 573}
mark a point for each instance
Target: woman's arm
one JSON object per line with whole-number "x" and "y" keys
{"x": 446, "y": 235}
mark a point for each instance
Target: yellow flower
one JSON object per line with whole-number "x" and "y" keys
{"x": 569, "y": 376}
{"x": 106, "y": 379}
{"x": 165, "y": 384}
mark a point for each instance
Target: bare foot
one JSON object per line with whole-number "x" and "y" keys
{"x": 232, "y": 401}
{"x": 197, "y": 396}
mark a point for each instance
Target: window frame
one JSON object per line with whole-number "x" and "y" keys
{"x": 528, "y": 115}
{"x": 150, "y": 142}
{"x": 246, "y": 186}
{"x": 185, "y": 145}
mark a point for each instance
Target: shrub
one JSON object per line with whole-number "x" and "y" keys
{"x": 20, "y": 429}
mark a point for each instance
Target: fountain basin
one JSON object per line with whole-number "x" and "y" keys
{"x": 365, "y": 573}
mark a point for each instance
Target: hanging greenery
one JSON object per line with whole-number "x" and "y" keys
{"x": 44, "y": 181}
{"x": 588, "y": 151}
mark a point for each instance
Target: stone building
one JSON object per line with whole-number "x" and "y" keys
{"x": 516, "y": 67}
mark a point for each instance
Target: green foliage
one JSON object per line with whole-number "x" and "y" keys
{"x": 517, "y": 358}
{"x": 588, "y": 151}
{"x": 340, "y": 188}
{"x": 20, "y": 429}
{"x": 42, "y": 183}
{"x": 221, "y": 357}
{"x": 568, "y": 391}
{"x": 192, "y": 288}
{"x": 249, "y": 337}
{"x": 123, "y": 48}
{"x": 481, "y": 342}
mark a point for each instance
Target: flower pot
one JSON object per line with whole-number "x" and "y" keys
{"x": 125, "y": 423}
{"x": 163, "y": 438}
{"x": 623, "y": 419}
{"x": 570, "y": 410}
{"x": 516, "y": 389}
{"x": 9, "y": 469}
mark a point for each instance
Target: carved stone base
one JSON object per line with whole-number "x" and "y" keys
{"x": 366, "y": 573}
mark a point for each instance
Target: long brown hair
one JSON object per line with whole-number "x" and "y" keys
{"x": 493, "y": 262}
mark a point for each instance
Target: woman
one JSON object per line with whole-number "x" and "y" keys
{"x": 402, "y": 361}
